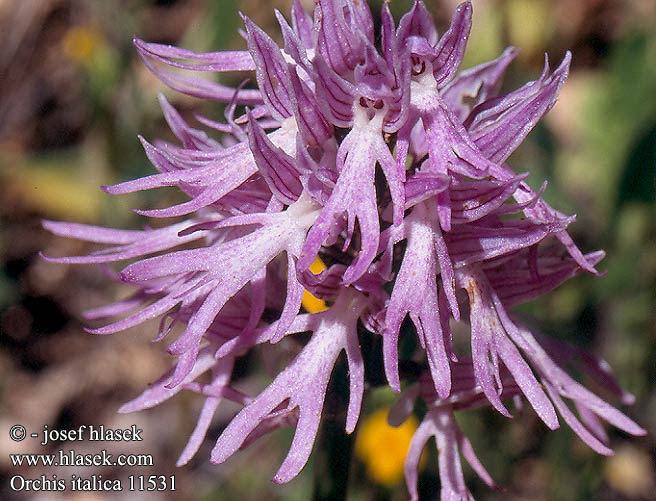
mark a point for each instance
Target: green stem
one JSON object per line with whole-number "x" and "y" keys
{"x": 334, "y": 447}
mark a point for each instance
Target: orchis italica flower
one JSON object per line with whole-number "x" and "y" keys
{"x": 366, "y": 148}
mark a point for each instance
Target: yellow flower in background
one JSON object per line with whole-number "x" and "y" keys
{"x": 54, "y": 188}
{"x": 310, "y": 303}
{"x": 529, "y": 24}
{"x": 87, "y": 48}
{"x": 383, "y": 448}
{"x": 80, "y": 44}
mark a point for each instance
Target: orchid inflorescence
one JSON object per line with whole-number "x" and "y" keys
{"x": 370, "y": 152}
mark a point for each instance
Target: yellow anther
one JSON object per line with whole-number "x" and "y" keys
{"x": 311, "y": 303}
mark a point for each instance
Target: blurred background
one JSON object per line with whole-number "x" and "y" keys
{"x": 74, "y": 96}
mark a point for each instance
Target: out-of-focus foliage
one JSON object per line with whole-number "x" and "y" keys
{"x": 74, "y": 96}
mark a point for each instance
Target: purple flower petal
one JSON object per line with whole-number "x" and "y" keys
{"x": 355, "y": 194}
{"x": 340, "y": 39}
{"x": 130, "y": 243}
{"x": 222, "y": 268}
{"x": 476, "y": 85}
{"x": 159, "y": 392}
{"x": 335, "y": 94}
{"x": 312, "y": 124}
{"x": 489, "y": 326}
{"x": 415, "y": 293}
{"x": 418, "y": 22}
{"x": 473, "y": 200}
{"x": 441, "y": 424}
{"x": 516, "y": 284}
{"x": 278, "y": 169}
{"x": 271, "y": 70}
{"x": 499, "y": 125}
{"x": 477, "y": 241}
{"x": 303, "y": 383}
{"x": 190, "y": 138}
{"x": 220, "y": 379}
{"x": 208, "y": 61}
{"x": 198, "y": 87}
{"x": 302, "y": 24}
{"x": 450, "y": 50}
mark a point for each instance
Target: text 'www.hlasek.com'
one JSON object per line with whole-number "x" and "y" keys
{"x": 70, "y": 466}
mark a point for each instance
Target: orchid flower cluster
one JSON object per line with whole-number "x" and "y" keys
{"x": 365, "y": 147}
